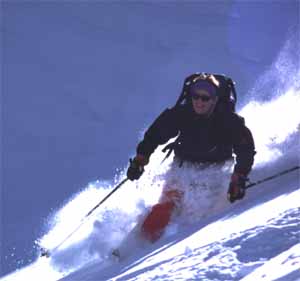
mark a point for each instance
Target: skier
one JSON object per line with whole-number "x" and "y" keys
{"x": 206, "y": 134}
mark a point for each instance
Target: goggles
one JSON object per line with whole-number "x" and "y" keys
{"x": 203, "y": 98}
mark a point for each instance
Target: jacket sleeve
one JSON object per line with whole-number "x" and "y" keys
{"x": 243, "y": 147}
{"x": 163, "y": 128}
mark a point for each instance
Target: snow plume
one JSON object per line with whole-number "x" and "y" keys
{"x": 283, "y": 74}
{"x": 99, "y": 233}
{"x": 272, "y": 114}
{"x": 204, "y": 188}
{"x": 107, "y": 226}
{"x": 275, "y": 126}
{"x": 111, "y": 223}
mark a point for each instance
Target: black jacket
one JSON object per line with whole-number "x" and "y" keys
{"x": 200, "y": 139}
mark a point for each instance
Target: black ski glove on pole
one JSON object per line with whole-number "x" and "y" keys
{"x": 236, "y": 190}
{"x": 136, "y": 167}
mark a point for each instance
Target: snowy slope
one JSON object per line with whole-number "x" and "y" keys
{"x": 227, "y": 249}
{"x": 246, "y": 241}
{"x": 257, "y": 239}
{"x": 254, "y": 239}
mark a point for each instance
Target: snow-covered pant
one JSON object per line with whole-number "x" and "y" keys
{"x": 160, "y": 214}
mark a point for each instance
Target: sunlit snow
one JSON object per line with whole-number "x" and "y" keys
{"x": 253, "y": 239}
{"x": 208, "y": 238}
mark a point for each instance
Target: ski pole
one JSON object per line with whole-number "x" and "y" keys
{"x": 251, "y": 184}
{"x": 47, "y": 253}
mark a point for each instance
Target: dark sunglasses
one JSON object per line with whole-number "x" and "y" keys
{"x": 203, "y": 98}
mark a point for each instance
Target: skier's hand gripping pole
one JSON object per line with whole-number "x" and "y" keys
{"x": 235, "y": 192}
{"x": 136, "y": 167}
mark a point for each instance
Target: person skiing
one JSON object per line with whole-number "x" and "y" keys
{"x": 206, "y": 134}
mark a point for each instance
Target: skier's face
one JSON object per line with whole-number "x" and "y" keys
{"x": 203, "y": 102}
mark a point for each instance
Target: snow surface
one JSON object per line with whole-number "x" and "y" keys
{"x": 257, "y": 238}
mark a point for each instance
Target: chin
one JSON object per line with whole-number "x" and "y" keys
{"x": 200, "y": 112}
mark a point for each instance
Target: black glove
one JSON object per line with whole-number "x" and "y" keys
{"x": 236, "y": 190}
{"x": 136, "y": 167}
